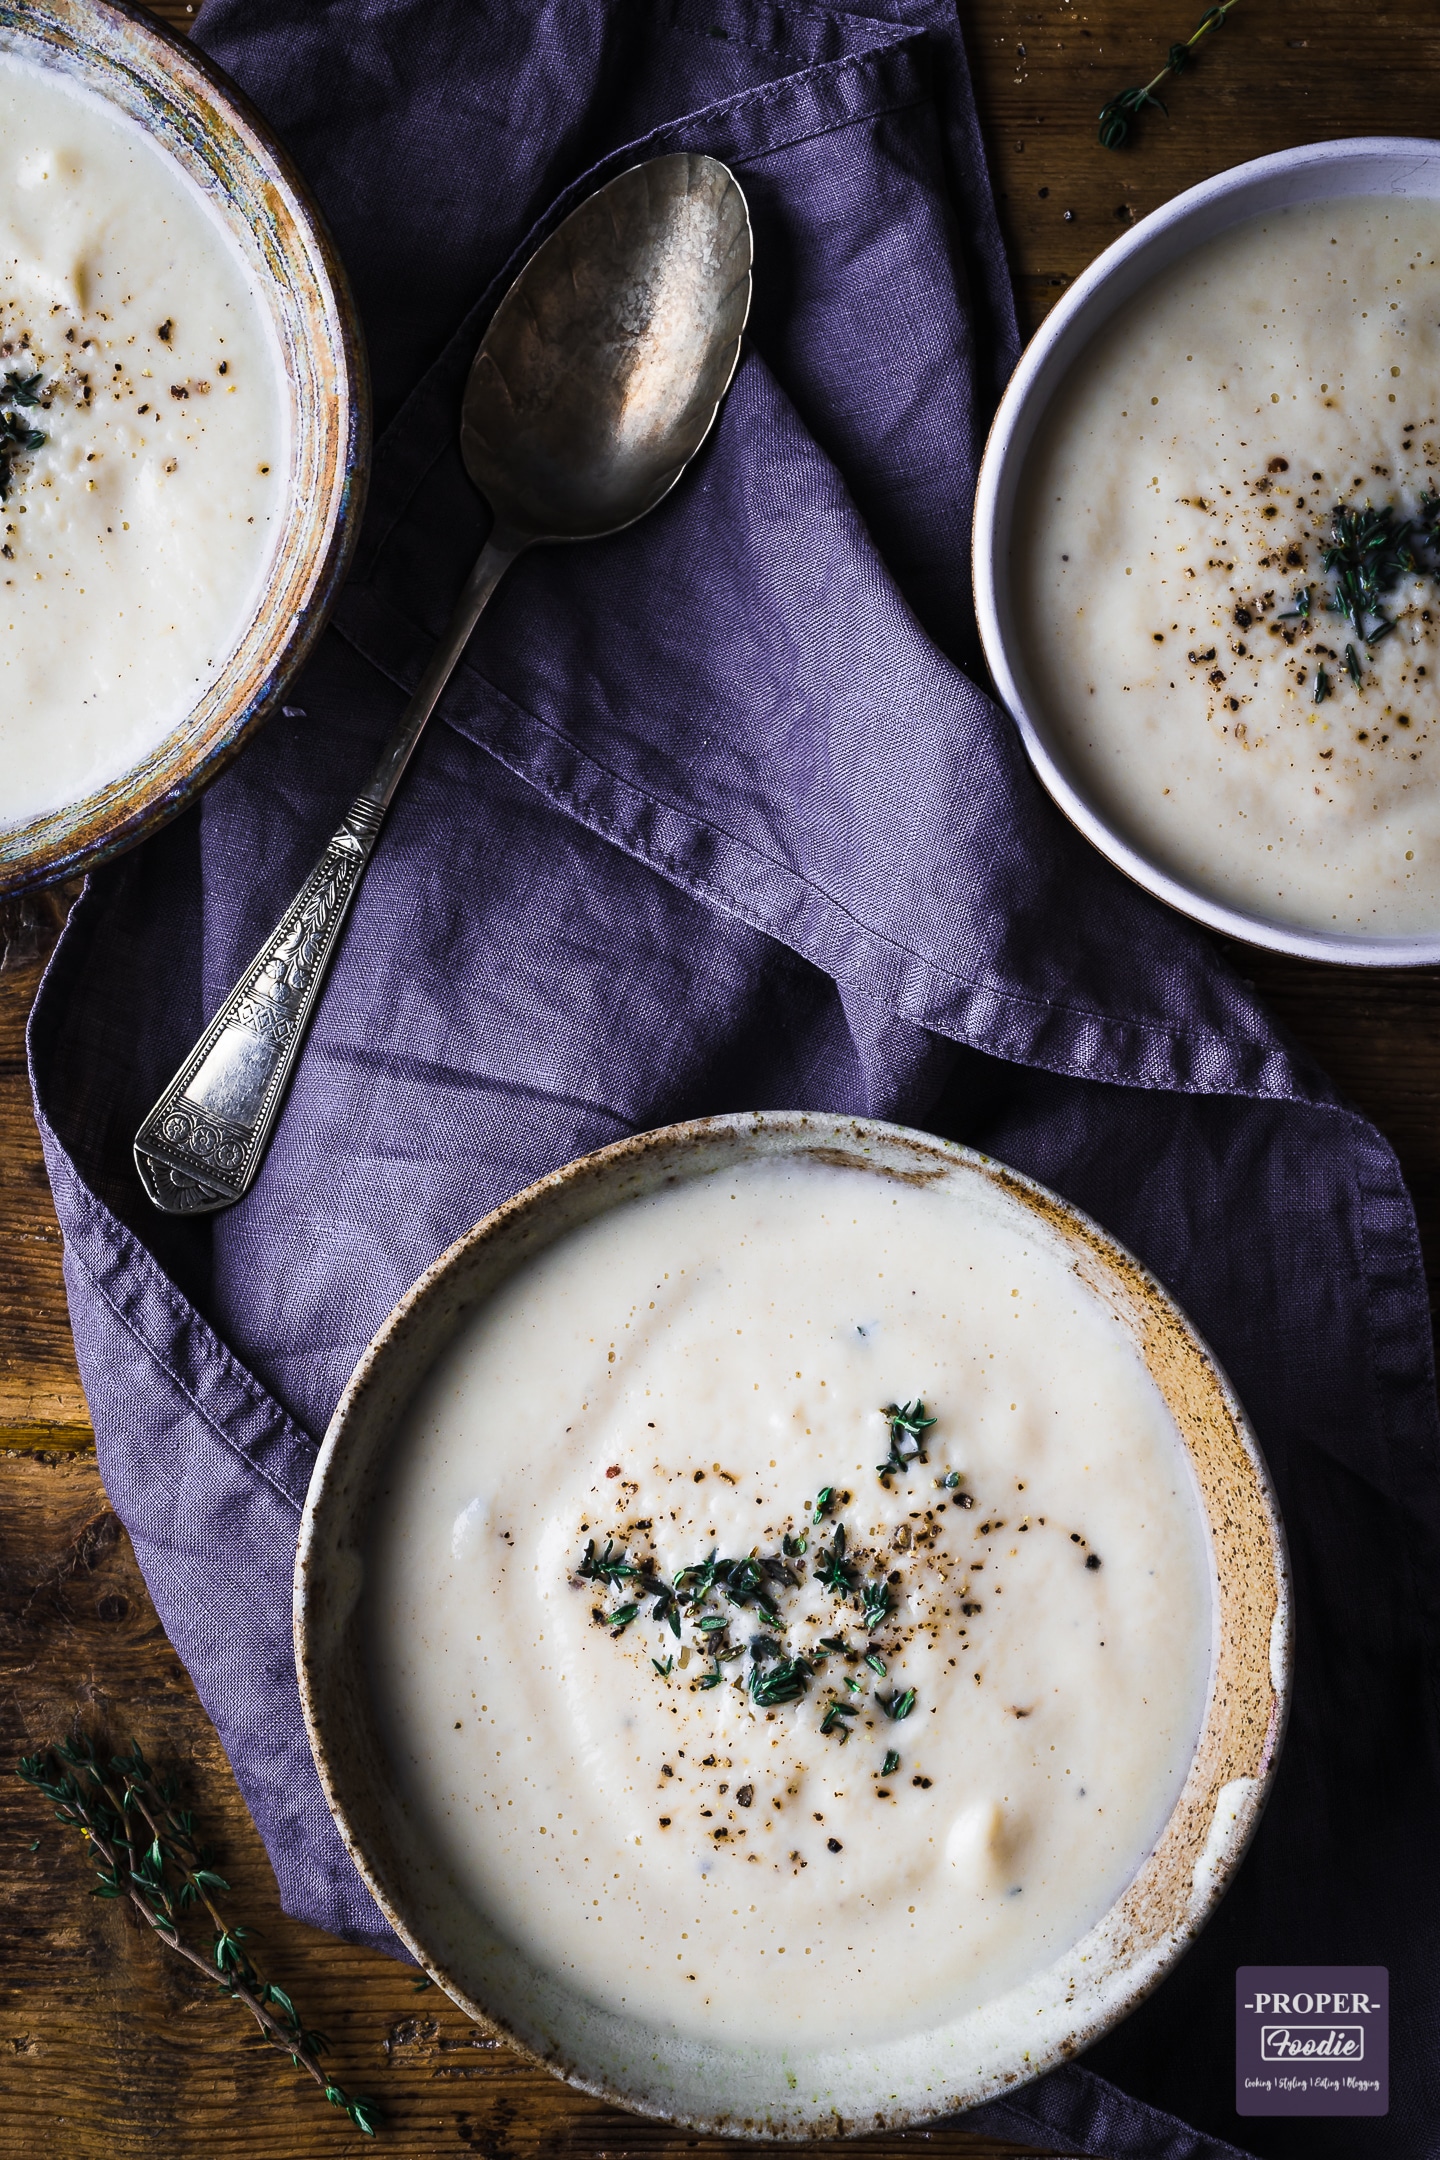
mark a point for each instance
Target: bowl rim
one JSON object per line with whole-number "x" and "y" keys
{"x": 371, "y": 1396}
{"x": 77, "y": 837}
{"x": 1076, "y": 316}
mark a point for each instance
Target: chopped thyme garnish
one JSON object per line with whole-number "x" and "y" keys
{"x": 24, "y": 389}
{"x": 782, "y": 1683}
{"x": 908, "y": 1427}
{"x": 822, "y": 1502}
{"x": 664, "y": 1670}
{"x": 1322, "y": 685}
{"x": 833, "y": 1569}
{"x": 621, "y": 1618}
{"x": 712, "y": 1621}
{"x": 743, "y": 1582}
{"x": 1352, "y": 663}
{"x": 835, "y": 1715}
{"x": 17, "y": 435}
{"x": 837, "y": 1643}
{"x": 877, "y": 1664}
{"x": 793, "y": 1547}
{"x": 709, "y": 1680}
{"x": 611, "y": 1567}
{"x": 1301, "y": 610}
{"x": 891, "y": 1763}
{"x": 1369, "y": 556}
{"x": 698, "y": 1580}
{"x": 897, "y": 1706}
{"x": 877, "y": 1606}
{"x": 951, "y": 1479}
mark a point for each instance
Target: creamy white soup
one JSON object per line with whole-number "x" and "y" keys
{"x": 788, "y": 1613}
{"x": 1254, "y": 720}
{"x": 144, "y": 445}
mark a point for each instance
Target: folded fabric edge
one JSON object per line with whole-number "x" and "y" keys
{"x": 1096, "y": 2119}
{"x": 1076, "y": 1041}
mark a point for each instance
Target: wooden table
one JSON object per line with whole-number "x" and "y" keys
{"x": 109, "y": 2047}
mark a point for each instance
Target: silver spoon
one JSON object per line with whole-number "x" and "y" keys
{"x": 595, "y": 384}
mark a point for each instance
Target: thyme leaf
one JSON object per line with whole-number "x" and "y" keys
{"x": 897, "y": 1706}
{"x": 611, "y": 1567}
{"x": 775, "y": 1684}
{"x": 908, "y": 1427}
{"x": 17, "y": 435}
{"x": 891, "y": 1763}
{"x": 833, "y": 1569}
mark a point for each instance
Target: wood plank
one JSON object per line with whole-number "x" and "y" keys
{"x": 42, "y": 1403}
{"x": 1272, "y": 77}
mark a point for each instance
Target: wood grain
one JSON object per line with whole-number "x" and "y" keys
{"x": 109, "y": 2048}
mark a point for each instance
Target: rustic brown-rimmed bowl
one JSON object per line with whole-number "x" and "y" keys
{"x": 790, "y": 2092}
{"x": 197, "y": 117}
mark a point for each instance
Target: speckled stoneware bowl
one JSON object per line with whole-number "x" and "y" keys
{"x": 191, "y": 110}
{"x": 1312, "y": 172}
{"x": 799, "y": 2093}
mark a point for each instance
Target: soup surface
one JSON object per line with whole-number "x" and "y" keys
{"x": 144, "y": 457}
{"x": 789, "y": 1608}
{"x": 1190, "y": 647}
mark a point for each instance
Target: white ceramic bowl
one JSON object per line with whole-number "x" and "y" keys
{"x": 1317, "y": 172}
{"x": 813, "y": 2090}
{"x": 196, "y": 117}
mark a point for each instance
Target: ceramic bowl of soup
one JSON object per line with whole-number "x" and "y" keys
{"x": 1207, "y": 556}
{"x": 185, "y": 430}
{"x": 793, "y": 1626}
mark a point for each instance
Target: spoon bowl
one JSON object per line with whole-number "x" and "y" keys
{"x": 603, "y": 368}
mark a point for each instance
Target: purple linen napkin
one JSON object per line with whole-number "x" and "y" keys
{"x": 719, "y": 821}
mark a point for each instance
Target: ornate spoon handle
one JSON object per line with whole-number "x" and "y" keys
{"x": 202, "y": 1144}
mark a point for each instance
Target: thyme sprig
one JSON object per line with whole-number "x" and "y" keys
{"x": 1118, "y": 117}
{"x": 147, "y": 1851}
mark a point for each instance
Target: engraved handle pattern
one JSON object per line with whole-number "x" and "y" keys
{"x": 205, "y": 1139}
{"x": 203, "y": 1142}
